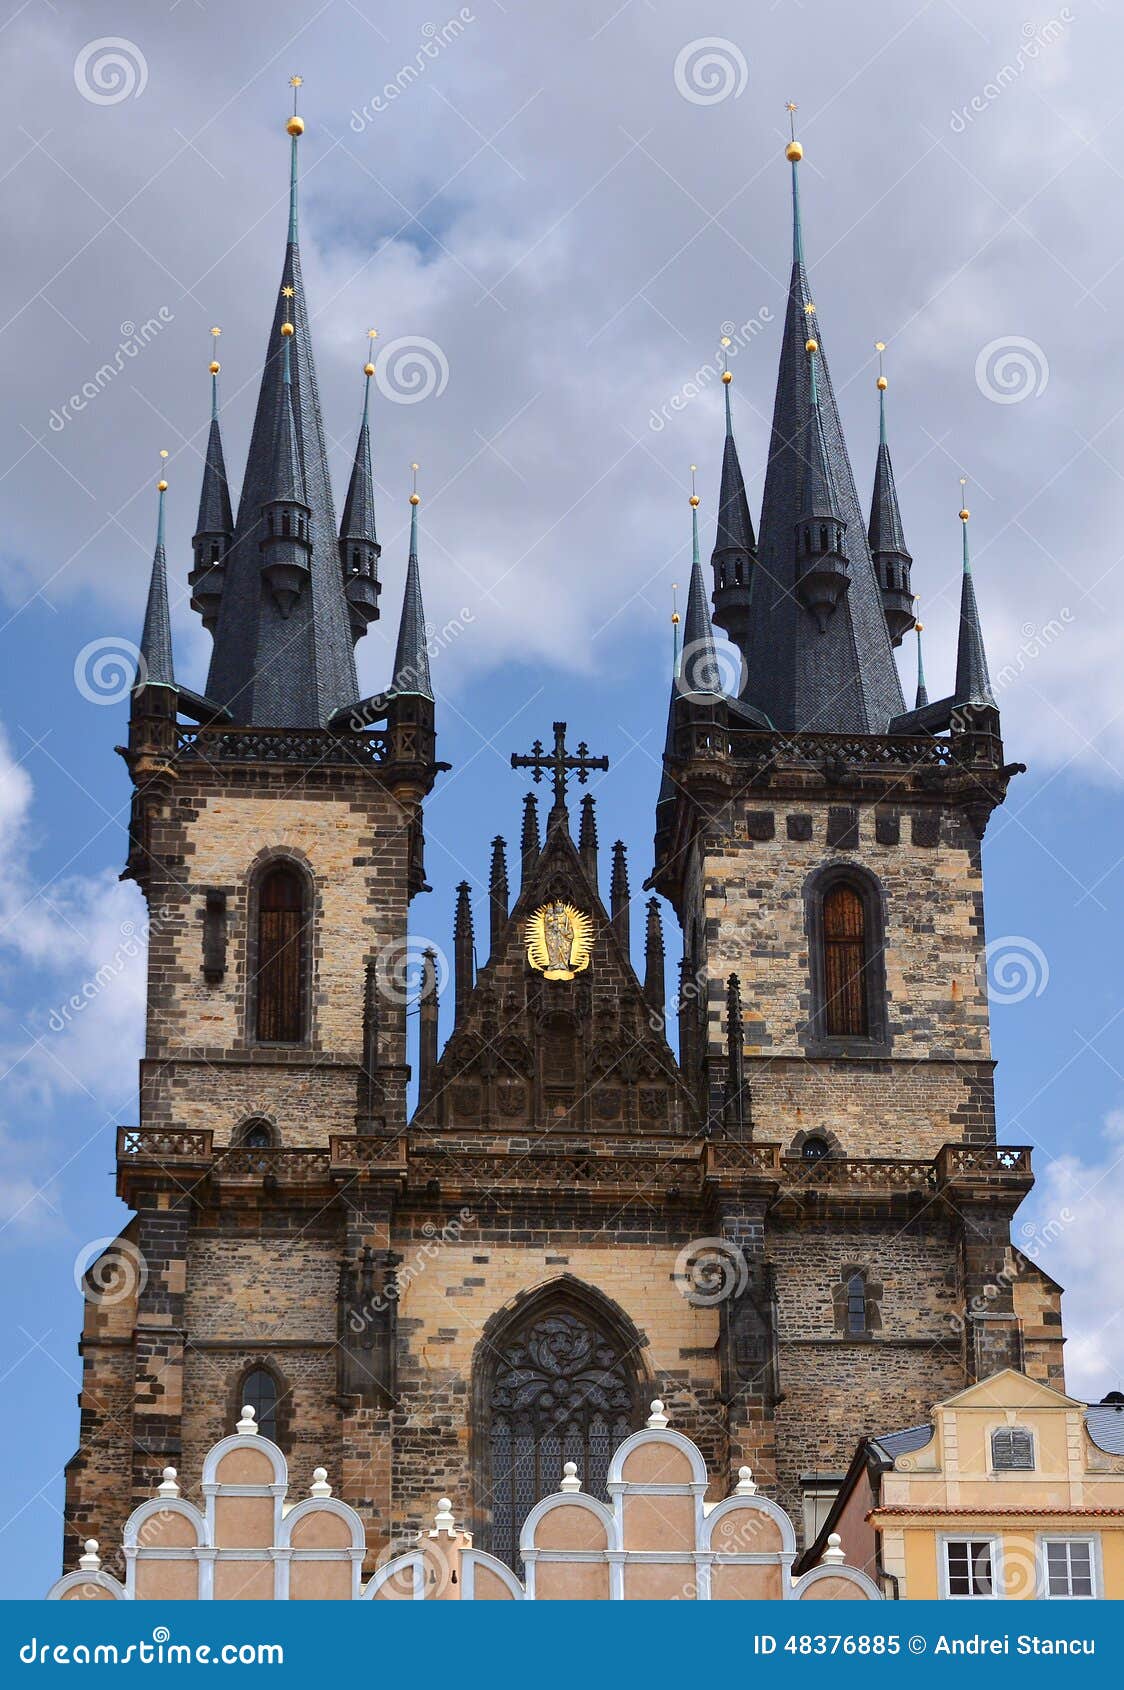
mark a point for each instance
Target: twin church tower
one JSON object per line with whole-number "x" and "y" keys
{"x": 791, "y": 1222}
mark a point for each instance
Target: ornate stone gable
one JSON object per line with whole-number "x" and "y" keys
{"x": 557, "y": 1033}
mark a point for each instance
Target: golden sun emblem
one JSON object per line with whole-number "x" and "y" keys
{"x": 558, "y": 938}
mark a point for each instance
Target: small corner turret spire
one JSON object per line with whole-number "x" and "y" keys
{"x": 922, "y": 698}
{"x": 889, "y": 553}
{"x": 497, "y": 896}
{"x": 735, "y": 546}
{"x": 529, "y": 846}
{"x": 214, "y": 526}
{"x": 654, "y": 988}
{"x": 359, "y": 546}
{"x": 286, "y": 546}
{"x": 411, "y": 657}
{"x": 700, "y": 677}
{"x": 154, "y": 664}
{"x": 973, "y": 683}
{"x": 619, "y": 897}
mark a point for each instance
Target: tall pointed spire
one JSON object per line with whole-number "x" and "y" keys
{"x": 735, "y": 546}
{"x": 529, "y": 846}
{"x": 359, "y": 545}
{"x": 214, "y": 526}
{"x": 411, "y": 657}
{"x": 654, "y": 988}
{"x": 281, "y": 660}
{"x": 841, "y": 678}
{"x": 587, "y": 837}
{"x": 154, "y": 666}
{"x": 891, "y": 557}
{"x": 973, "y": 683}
{"x": 922, "y": 698}
{"x": 497, "y": 896}
{"x": 286, "y": 546}
{"x": 619, "y": 905}
{"x": 700, "y": 677}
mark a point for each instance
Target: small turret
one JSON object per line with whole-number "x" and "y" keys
{"x": 619, "y": 896}
{"x": 973, "y": 683}
{"x": 823, "y": 573}
{"x": 427, "y": 1027}
{"x": 155, "y": 667}
{"x": 463, "y": 949}
{"x": 700, "y": 678}
{"x": 497, "y": 896}
{"x": 892, "y": 561}
{"x": 411, "y": 657}
{"x": 286, "y": 546}
{"x": 529, "y": 846}
{"x": 922, "y": 698}
{"x": 587, "y": 838}
{"x": 214, "y": 526}
{"x": 735, "y": 547}
{"x": 359, "y": 546}
{"x": 654, "y": 987}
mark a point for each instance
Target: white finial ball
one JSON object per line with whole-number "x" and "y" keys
{"x": 320, "y": 1485}
{"x": 248, "y": 1422}
{"x": 570, "y": 1480}
{"x": 657, "y": 1418}
{"x": 91, "y": 1546}
{"x": 745, "y": 1486}
{"x": 833, "y": 1554}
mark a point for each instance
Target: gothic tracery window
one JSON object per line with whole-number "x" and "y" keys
{"x": 259, "y": 1390}
{"x": 561, "y": 1388}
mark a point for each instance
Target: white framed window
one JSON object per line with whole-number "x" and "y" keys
{"x": 970, "y": 1567}
{"x": 1068, "y": 1567}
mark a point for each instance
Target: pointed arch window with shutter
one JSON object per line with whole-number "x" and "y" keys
{"x": 280, "y": 956}
{"x": 845, "y": 924}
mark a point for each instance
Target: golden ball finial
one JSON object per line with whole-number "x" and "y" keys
{"x": 920, "y": 627}
{"x": 882, "y": 384}
{"x": 965, "y": 514}
{"x": 368, "y": 369}
{"x": 161, "y": 486}
{"x": 287, "y": 329}
{"x": 415, "y": 498}
{"x": 214, "y": 366}
{"x": 811, "y": 346}
{"x": 295, "y": 126}
{"x": 727, "y": 376}
{"x": 695, "y": 501}
{"x": 794, "y": 152}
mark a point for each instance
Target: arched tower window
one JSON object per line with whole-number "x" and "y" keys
{"x": 558, "y": 1382}
{"x": 845, "y": 924}
{"x": 844, "y": 943}
{"x": 281, "y": 962}
{"x": 255, "y": 1134}
{"x": 259, "y": 1390}
{"x": 856, "y": 1304}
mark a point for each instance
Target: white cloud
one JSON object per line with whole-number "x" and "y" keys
{"x": 1077, "y": 1206}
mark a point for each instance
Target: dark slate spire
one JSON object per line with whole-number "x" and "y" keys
{"x": 888, "y": 550}
{"x": 587, "y": 837}
{"x": 734, "y": 545}
{"x": 497, "y": 896}
{"x": 922, "y": 698}
{"x": 359, "y": 546}
{"x": 286, "y": 545}
{"x": 411, "y": 656}
{"x": 973, "y": 683}
{"x": 842, "y": 679}
{"x": 823, "y": 574}
{"x": 700, "y": 678}
{"x": 269, "y": 668}
{"x": 155, "y": 668}
{"x": 214, "y": 526}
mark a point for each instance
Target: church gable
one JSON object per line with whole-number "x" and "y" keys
{"x": 556, "y": 1031}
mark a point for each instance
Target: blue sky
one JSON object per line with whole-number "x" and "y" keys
{"x": 545, "y": 205}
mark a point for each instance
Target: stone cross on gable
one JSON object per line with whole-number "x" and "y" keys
{"x": 559, "y": 764}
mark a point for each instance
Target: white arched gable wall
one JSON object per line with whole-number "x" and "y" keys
{"x": 134, "y": 1546}
{"x": 354, "y": 1552}
{"x": 212, "y": 1488}
{"x": 865, "y": 1588}
{"x": 72, "y": 1581}
{"x": 656, "y": 1435}
{"x": 784, "y": 1557}
{"x": 413, "y": 1558}
{"x": 473, "y": 1558}
{"x": 609, "y": 1518}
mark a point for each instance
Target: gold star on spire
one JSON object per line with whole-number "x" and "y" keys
{"x": 287, "y": 293}
{"x": 295, "y": 81}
